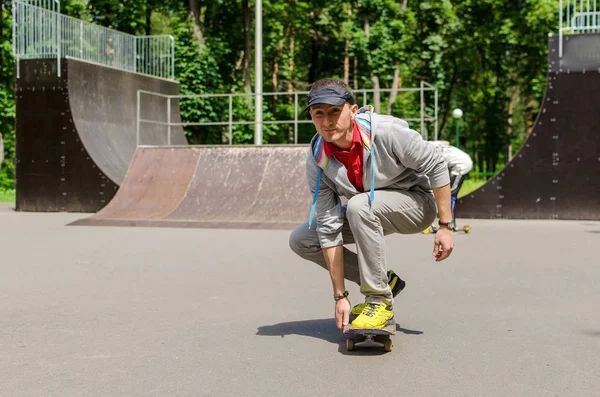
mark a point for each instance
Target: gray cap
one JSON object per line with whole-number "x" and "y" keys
{"x": 330, "y": 95}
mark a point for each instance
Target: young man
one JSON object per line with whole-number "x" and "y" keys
{"x": 392, "y": 179}
{"x": 459, "y": 165}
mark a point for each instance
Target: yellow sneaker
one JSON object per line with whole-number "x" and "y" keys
{"x": 396, "y": 284}
{"x": 357, "y": 310}
{"x": 374, "y": 316}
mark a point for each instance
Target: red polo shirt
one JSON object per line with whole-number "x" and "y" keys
{"x": 351, "y": 158}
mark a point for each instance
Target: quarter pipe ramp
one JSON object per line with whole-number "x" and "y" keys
{"x": 76, "y": 134}
{"x": 556, "y": 173}
{"x": 214, "y": 187}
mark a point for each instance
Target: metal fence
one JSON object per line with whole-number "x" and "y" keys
{"x": 578, "y": 16}
{"x": 426, "y": 114}
{"x": 41, "y": 31}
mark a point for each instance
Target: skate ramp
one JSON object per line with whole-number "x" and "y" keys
{"x": 156, "y": 184}
{"x": 243, "y": 186}
{"x": 76, "y": 134}
{"x": 554, "y": 174}
{"x": 103, "y": 102}
{"x": 247, "y": 187}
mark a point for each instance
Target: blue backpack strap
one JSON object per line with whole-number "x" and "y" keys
{"x": 314, "y": 202}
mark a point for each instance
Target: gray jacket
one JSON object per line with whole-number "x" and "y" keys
{"x": 403, "y": 161}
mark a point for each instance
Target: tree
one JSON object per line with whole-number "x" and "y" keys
{"x": 487, "y": 57}
{"x": 7, "y": 99}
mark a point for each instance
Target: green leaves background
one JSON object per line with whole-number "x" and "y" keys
{"x": 487, "y": 57}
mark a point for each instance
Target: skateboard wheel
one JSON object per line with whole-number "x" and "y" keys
{"x": 349, "y": 345}
{"x": 467, "y": 229}
{"x": 426, "y": 231}
{"x": 387, "y": 346}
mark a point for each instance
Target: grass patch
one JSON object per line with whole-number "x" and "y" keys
{"x": 7, "y": 196}
{"x": 469, "y": 185}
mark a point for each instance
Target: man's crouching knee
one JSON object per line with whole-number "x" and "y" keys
{"x": 357, "y": 207}
{"x": 304, "y": 242}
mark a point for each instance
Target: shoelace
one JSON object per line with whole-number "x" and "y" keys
{"x": 369, "y": 309}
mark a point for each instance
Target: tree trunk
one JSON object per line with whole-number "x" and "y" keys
{"x": 194, "y": 13}
{"x": 247, "y": 53}
{"x": 376, "y": 93}
{"x": 346, "y": 62}
{"x": 2, "y": 40}
{"x": 509, "y": 129}
{"x": 274, "y": 81}
{"x": 290, "y": 88}
{"x": 491, "y": 164}
{"x": 291, "y": 65}
{"x": 374, "y": 77}
{"x": 395, "y": 85}
{"x": 529, "y": 119}
{"x": 355, "y": 72}
{"x": 148, "y": 19}
{"x": 347, "y": 49}
{"x": 443, "y": 112}
{"x": 314, "y": 62}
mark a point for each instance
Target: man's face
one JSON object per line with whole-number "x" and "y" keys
{"x": 332, "y": 122}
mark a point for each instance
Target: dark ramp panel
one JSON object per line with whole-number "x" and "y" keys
{"x": 104, "y": 106}
{"x": 157, "y": 181}
{"x": 54, "y": 171}
{"x": 248, "y": 187}
{"x": 555, "y": 173}
{"x": 230, "y": 187}
{"x": 76, "y": 134}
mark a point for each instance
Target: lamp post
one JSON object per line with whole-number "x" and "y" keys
{"x": 258, "y": 77}
{"x": 457, "y": 114}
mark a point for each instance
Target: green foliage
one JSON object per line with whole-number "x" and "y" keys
{"x": 196, "y": 69}
{"x": 7, "y": 196}
{"x": 75, "y": 9}
{"x": 123, "y": 15}
{"x": 7, "y": 103}
{"x": 487, "y": 57}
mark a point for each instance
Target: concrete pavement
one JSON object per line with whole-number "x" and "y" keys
{"x": 104, "y": 311}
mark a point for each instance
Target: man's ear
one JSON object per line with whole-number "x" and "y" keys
{"x": 353, "y": 110}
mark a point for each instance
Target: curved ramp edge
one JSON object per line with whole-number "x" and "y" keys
{"x": 156, "y": 182}
{"x": 553, "y": 175}
{"x": 103, "y": 103}
{"x": 253, "y": 187}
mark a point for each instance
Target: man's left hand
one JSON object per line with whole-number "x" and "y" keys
{"x": 443, "y": 244}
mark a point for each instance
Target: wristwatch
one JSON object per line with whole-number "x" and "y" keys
{"x": 449, "y": 225}
{"x": 337, "y": 297}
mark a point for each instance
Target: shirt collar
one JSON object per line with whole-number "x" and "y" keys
{"x": 331, "y": 149}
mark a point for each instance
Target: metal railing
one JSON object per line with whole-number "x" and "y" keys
{"x": 361, "y": 95}
{"x": 41, "y": 31}
{"x": 580, "y": 16}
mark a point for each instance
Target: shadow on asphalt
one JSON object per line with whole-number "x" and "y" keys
{"x": 325, "y": 329}
{"x": 595, "y": 333}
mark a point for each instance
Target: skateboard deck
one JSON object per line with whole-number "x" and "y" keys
{"x": 370, "y": 337}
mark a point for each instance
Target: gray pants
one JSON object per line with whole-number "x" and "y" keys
{"x": 392, "y": 211}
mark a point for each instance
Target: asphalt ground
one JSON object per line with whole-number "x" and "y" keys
{"x": 109, "y": 311}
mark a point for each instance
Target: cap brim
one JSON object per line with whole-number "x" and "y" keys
{"x": 328, "y": 100}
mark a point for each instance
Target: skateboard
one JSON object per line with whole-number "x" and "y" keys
{"x": 466, "y": 229}
{"x": 370, "y": 337}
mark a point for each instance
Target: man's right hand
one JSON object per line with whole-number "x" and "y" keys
{"x": 342, "y": 313}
